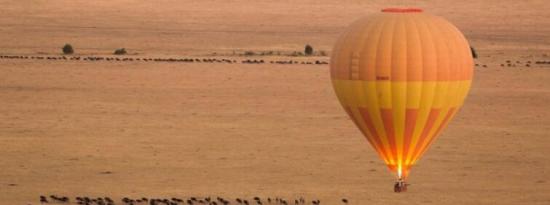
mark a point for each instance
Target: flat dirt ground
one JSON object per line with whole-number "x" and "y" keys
{"x": 79, "y": 128}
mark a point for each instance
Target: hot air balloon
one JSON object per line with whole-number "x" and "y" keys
{"x": 401, "y": 75}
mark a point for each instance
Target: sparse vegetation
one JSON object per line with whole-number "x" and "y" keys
{"x": 267, "y": 53}
{"x": 296, "y": 53}
{"x": 308, "y": 50}
{"x": 68, "y": 49}
{"x": 249, "y": 53}
{"x": 120, "y": 51}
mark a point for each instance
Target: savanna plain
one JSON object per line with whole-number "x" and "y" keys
{"x": 181, "y": 129}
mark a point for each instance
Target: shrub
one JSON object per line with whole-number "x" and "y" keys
{"x": 249, "y": 53}
{"x": 68, "y": 49}
{"x": 308, "y": 50}
{"x": 120, "y": 51}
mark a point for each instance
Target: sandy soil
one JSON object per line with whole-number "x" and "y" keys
{"x": 164, "y": 129}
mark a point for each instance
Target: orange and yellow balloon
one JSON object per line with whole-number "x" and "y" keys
{"x": 401, "y": 75}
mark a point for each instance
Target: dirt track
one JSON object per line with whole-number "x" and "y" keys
{"x": 134, "y": 129}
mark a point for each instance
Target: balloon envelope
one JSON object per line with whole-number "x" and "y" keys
{"x": 401, "y": 75}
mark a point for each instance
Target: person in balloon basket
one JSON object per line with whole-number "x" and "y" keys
{"x": 400, "y": 186}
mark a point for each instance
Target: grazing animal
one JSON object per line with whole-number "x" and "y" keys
{"x": 43, "y": 199}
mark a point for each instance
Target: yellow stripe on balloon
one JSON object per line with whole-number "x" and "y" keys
{"x": 372, "y": 90}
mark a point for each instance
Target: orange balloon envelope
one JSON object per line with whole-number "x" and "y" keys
{"x": 401, "y": 75}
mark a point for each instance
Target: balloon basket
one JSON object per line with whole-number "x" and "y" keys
{"x": 400, "y": 186}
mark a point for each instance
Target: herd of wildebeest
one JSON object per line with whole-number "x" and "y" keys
{"x": 170, "y": 60}
{"x": 508, "y": 63}
{"x": 55, "y": 199}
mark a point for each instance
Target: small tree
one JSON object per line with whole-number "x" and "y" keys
{"x": 308, "y": 50}
{"x": 68, "y": 49}
{"x": 120, "y": 51}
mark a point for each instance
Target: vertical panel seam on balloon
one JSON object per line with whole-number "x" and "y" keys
{"x": 390, "y": 128}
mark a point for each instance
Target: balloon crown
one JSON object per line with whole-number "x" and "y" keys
{"x": 402, "y": 10}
